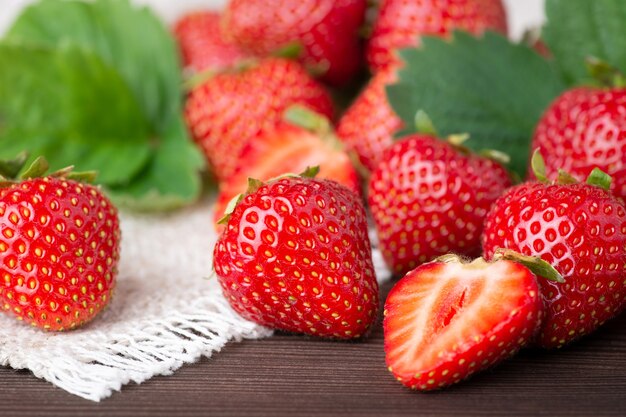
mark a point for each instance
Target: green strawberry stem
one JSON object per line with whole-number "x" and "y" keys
{"x": 535, "y": 264}
{"x": 11, "y": 167}
{"x": 605, "y": 74}
{"x": 310, "y": 172}
{"x": 230, "y": 207}
{"x": 10, "y": 171}
{"x": 254, "y": 184}
{"x": 305, "y": 118}
{"x": 196, "y": 79}
{"x": 424, "y": 124}
{"x": 292, "y": 50}
{"x": 495, "y": 155}
{"x": 37, "y": 169}
{"x": 599, "y": 178}
{"x": 538, "y": 165}
{"x": 450, "y": 258}
{"x": 566, "y": 178}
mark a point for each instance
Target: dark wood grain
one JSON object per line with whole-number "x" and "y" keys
{"x": 289, "y": 375}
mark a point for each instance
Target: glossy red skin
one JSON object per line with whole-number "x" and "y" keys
{"x": 582, "y": 129}
{"x": 368, "y": 126}
{"x": 230, "y": 109}
{"x": 296, "y": 256}
{"x": 581, "y": 231}
{"x": 326, "y": 29}
{"x": 456, "y": 343}
{"x": 428, "y": 199}
{"x": 202, "y": 45}
{"x": 401, "y": 23}
{"x": 59, "y": 249}
{"x": 287, "y": 149}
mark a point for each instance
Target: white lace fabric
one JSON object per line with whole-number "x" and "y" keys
{"x": 166, "y": 311}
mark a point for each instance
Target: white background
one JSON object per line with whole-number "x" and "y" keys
{"x": 522, "y": 13}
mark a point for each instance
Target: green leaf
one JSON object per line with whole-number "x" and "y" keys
{"x": 130, "y": 39}
{"x": 579, "y": 29}
{"x": 103, "y": 92}
{"x": 599, "y": 178}
{"x": 72, "y": 104}
{"x": 171, "y": 179}
{"x": 490, "y": 88}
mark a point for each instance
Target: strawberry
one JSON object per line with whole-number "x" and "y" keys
{"x": 400, "y": 23}
{"x": 289, "y": 148}
{"x": 582, "y": 129}
{"x": 296, "y": 256}
{"x": 327, "y": 31}
{"x": 446, "y": 320}
{"x": 59, "y": 249}
{"x": 580, "y": 229}
{"x": 429, "y": 197}
{"x": 368, "y": 126}
{"x": 202, "y": 45}
{"x": 228, "y": 110}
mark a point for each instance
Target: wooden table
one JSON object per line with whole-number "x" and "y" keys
{"x": 289, "y": 375}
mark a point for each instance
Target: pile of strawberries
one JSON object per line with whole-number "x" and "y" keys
{"x": 294, "y": 252}
{"x": 298, "y": 179}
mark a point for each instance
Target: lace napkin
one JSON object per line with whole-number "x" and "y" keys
{"x": 166, "y": 312}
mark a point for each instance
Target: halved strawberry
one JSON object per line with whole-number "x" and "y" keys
{"x": 448, "y": 319}
{"x": 578, "y": 228}
{"x": 288, "y": 149}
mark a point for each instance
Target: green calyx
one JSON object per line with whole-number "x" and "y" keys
{"x": 538, "y": 165}
{"x": 291, "y": 50}
{"x": 301, "y": 116}
{"x": 425, "y": 125}
{"x": 10, "y": 168}
{"x": 253, "y": 186}
{"x": 597, "y": 177}
{"x": 535, "y": 264}
{"x": 15, "y": 170}
{"x": 605, "y": 74}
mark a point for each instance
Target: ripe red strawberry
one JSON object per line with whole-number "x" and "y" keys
{"x": 429, "y": 198}
{"x": 326, "y": 29}
{"x": 400, "y": 23}
{"x": 448, "y": 319}
{"x": 368, "y": 126}
{"x": 296, "y": 256}
{"x": 59, "y": 248}
{"x": 229, "y": 109}
{"x": 202, "y": 45}
{"x": 288, "y": 148}
{"x": 580, "y": 229}
{"x": 582, "y": 129}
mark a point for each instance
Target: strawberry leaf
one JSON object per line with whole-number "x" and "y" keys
{"x": 102, "y": 91}
{"x": 130, "y": 39}
{"x": 170, "y": 180}
{"x": 581, "y": 29}
{"x": 51, "y": 111}
{"x": 488, "y": 87}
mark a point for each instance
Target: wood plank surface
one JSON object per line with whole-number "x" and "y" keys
{"x": 288, "y": 375}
